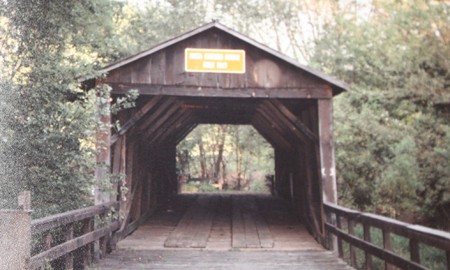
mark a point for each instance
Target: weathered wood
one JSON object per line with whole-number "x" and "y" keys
{"x": 103, "y": 241}
{"x": 276, "y": 125}
{"x": 367, "y": 237}
{"x": 314, "y": 92}
{"x": 62, "y": 249}
{"x": 125, "y": 208}
{"x": 284, "y": 122}
{"x": 149, "y": 119}
{"x": 266, "y": 67}
{"x": 448, "y": 259}
{"x": 244, "y": 230}
{"x": 68, "y": 235}
{"x": 351, "y": 231}
{"x": 415, "y": 234}
{"x": 88, "y": 226}
{"x": 249, "y": 229}
{"x": 327, "y": 161}
{"x": 50, "y": 222}
{"x": 414, "y": 250}
{"x": 269, "y": 132}
{"x": 295, "y": 120}
{"x": 135, "y": 118}
{"x": 388, "y": 246}
{"x": 102, "y": 143}
{"x": 161, "y": 120}
{"x": 432, "y": 237}
{"x": 211, "y": 259}
{"x": 171, "y": 122}
{"x": 177, "y": 127}
{"x": 184, "y": 131}
{"x": 193, "y": 229}
{"x": 339, "y": 239}
{"x": 381, "y": 253}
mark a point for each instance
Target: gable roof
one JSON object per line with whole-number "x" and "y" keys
{"x": 338, "y": 86}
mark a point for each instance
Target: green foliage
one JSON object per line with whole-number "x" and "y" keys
{"x": 246, "y": 156}
{"x": 392, "y": 143}
{"x": 390, "y": 138}
{"x": 52, "y": 123}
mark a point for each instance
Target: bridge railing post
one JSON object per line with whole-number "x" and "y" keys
{"x": 15, "y": 235}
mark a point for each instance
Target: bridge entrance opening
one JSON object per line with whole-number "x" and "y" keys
{"x": 225, "y": 158}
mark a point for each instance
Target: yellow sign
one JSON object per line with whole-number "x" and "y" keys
{"x": 214, "y": 60}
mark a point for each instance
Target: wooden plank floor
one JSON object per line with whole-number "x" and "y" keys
{"x": 213, "y": 259}
{"x": 221, "y": 231}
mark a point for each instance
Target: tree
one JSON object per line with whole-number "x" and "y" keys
{"x": 234, "y": 152}
{"x": 388, "y": 131}
{"x": 46, "y": 46}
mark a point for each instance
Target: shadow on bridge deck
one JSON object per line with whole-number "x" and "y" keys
{"x": 222, "y": 231}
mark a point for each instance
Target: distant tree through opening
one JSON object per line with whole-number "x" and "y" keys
{"x": 221, "y": 158}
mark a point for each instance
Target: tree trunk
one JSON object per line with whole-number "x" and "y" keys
{"x": 220, "y": 148}
{"x": 202, "y": 158}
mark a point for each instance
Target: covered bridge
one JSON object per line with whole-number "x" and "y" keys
{"x": 216, "y": 75}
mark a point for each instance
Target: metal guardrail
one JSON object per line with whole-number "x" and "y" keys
{"x": 341, "y": 223}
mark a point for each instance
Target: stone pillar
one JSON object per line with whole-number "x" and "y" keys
{"x": 15, "y": 236}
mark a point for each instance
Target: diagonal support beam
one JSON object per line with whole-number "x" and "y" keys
{"x": 170, "y": 124}
{"x": 271, "y": 132}
{"x": 163, "y": 117}
{"x": 276, "y": 124}
{"x": 166, "y": 103}
{"x": 182, "y": 133}
{"x": 295, "y": 121}
{"x": 273, "y": 111}
{"x": 180, "y": 125}
{"x": 135, "y": 118}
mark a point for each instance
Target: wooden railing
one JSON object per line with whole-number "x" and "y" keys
{"x": 345, "y": 225}
{"x": 77, "y": 231}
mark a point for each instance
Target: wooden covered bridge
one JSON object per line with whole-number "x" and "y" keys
{"x": 215, "y": 75}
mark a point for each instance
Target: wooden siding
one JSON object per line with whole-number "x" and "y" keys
{"x": 166, "y": 68}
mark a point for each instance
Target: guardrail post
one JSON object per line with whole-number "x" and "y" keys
{"x": 70, "y": 256}
{"x": 388, "y": 246}
{"x": 448, "y": 259}
{"x": 88, "y": 226}
{"x": 368, "y": 238}
{"x": 339, "y": 240}
{"x": 351, "y": 231}
{"x": 15, "y": 235}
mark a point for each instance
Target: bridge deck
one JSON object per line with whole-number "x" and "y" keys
{"x": 222, "y": 231}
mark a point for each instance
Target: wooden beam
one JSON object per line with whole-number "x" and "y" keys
{"x": 257, "y": 126}
{"x": 181, "y": 125}
{"x": 328, "y": 167}
{"x": 185, "y": 131}
{"x": 294, "y": 120}
{"x": 135, "y": 118}
{"x": 149, "y": 119}
{"x": 169, "y": 124}
{"x": 268, "y": 130}
{"x": 314, "y": 92}
{"x": 161, "y": 120}
{"x": 39, "y": 260}
{"x": 282, "y": 120}
{"x": 276, "y": 125}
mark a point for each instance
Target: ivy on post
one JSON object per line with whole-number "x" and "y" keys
{"x": 103, "y": 137}
{"x": 102, "y": 190}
